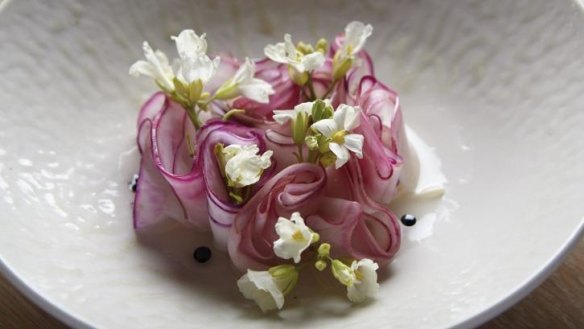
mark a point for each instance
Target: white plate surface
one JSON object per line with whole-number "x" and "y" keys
{"x": 497, "y": 88}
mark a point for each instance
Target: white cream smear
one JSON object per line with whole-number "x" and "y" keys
{"x": 422, "y": 185}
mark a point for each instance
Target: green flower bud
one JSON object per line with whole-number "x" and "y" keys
{"x": 324, "y": 250}
{"x": 300, "y": 78}
{"x": 228, "y": 90}
{"x": 340, "y": 69}
{"x": 328, "y": 159}
{"x": 304, "y": 48}
{"x": 343, "y": 273}
{"x": 322, "y": 45}
{"x": 315, "y": 237}
{"x": 323, "y": 144}
{"x": 318, "y": 110}
{"x": 285, "y": 276}
{"x": 299, "y": 128}
{"x": 328, "y": 112}
{"x": 312, "y": 142}
{"x": 320, "y": 265}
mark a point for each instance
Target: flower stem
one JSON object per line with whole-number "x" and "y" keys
{"x": 330, "y": 89}
{"x": 194, "y": 116}
{"x": 313, "y": 156}
{"x": 311, "y": 87}
{"x": 300, "y": 153}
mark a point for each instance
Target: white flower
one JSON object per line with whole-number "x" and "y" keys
{"x": 198, "y": 68}
{"x": 262, "y": 289}
{"x": 194, "y": 64}
{"x": 285, "y": 52}
{"x": 283, "y": 116}
{"x": 345, "y": 118}
{"x": 294, "y": 235}
{"x": 267, "y": 288}
{"x": 356, "y": 33}
{"x": 155, "y": 66}
{"x": 242, "y": 164}
{"x": 244, "y": 83}
{"x": 189, "y": 44}
{"x": 365, "y": 284}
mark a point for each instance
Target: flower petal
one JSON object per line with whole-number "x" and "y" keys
{"x": 289, "y": 47}
{"x": 260, "y": 287}
{"x": 354, "y": 143}
{"x": 189, "y": 44}
{"x": 326, "y": 127}
{"x": 305, "y": 107}
{"x": 342, "y": 154}
{"x": 356, "y": 33}
{"x": 156, "y": 66}
{"x": 142, "y": 67}
{"x": 198, "y": 68}
{"x": 257, "y": 90}
{"x": 283, "y": 116}
{"x": 245, "y": 72}
{"x": 313, "y": 61}
{"x": 276, "y": 52}
{"x": 346, "y": 117}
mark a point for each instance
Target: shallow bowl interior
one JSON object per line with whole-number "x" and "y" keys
{"x": 495, "y": 87}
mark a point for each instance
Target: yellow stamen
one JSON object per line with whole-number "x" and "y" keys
{"x": 297, "y": 236}
{"x": 339, "y": 136}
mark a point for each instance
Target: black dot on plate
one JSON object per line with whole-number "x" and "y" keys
{"x": 202, "y": 254}
{"x": 408, "y": 219}
{"x": 134, "y": 183}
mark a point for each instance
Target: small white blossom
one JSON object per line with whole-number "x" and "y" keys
{"x": 345, "y": 118}
{"x": 268, "y": 288}
{"x": 194, "y": 64}
{"x": 261, "y": 287}
{"x": 365, "y": 284}
{"x": 244, "y": 83}
{"x": 356, "y": 33}
{"x": 285, "y": 52}
{"x": 294, "y": 237}
{"x": 189, "y": 44}
{"x": 242, "y": 164}
{"x": 155, "y": 66}
{"x": 283, "y": 116}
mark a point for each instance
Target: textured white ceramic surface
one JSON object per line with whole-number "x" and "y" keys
{"x": 496, "y": 87}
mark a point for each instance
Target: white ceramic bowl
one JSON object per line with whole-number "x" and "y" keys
{"x": 496, "y": 87}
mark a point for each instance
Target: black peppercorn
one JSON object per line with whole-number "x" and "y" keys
{"x": 202, "y": 254}
{"x": 134, "y": 183}
{"x": 408, "y": 220}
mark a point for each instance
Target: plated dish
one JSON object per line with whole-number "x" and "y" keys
{"x": 480, "y": 82}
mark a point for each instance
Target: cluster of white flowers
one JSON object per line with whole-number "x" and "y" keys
{"x": 194, "y": 69}
{"x": 337, "y": 129}
{"x": 332, "y": 133}
{"x": 327, "y": 134}
{"x": 268, "y": 288}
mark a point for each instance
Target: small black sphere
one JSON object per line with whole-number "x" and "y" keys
{"x": 408, "y": 220}
{"x": 134, "y": 183}
{"x": 202, "y": 254}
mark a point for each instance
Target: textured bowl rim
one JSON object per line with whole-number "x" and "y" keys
{"x": 480, "y": 317}
{"x": 528, "y": 285}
